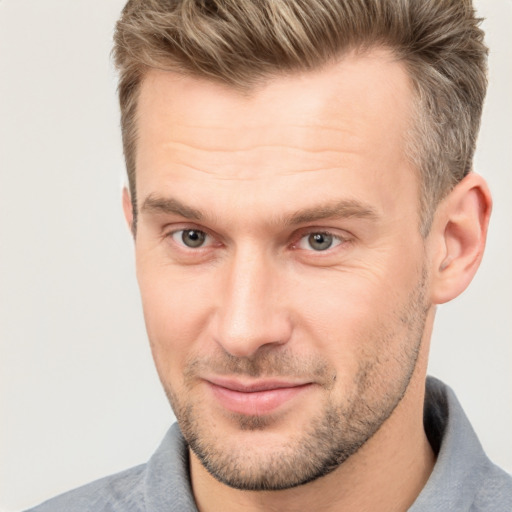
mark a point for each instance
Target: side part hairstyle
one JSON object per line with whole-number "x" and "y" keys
{"x": 243, "y": 43}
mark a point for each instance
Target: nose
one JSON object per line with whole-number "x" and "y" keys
{"x": 251, "y": 312}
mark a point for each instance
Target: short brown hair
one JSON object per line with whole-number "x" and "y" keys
{"x": 243, "y": 42}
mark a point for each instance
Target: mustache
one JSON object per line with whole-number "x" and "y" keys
{"x": 264, "y": 364}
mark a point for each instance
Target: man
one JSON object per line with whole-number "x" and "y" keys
{"x": 301, "y": 198}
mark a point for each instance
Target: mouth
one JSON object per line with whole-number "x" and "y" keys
{"x": 255, "y": 398}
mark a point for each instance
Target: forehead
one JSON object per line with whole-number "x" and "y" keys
{"x": 346, "y": 121}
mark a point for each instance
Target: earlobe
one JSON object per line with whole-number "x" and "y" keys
{"x": 128, "y": 209}
{"x": 459, "y": 234}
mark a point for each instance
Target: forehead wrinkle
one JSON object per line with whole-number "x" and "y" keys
{"x": 271, "y": 160}
{"x": 254, "y": 178}
{"x": 291, "y": 135}
{"x": 314, "y": 137}
{"x": 255, "y": 147}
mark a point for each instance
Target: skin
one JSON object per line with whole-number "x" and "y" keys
{"x": 346, "y": 329}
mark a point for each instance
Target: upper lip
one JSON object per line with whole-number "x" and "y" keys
{"x": 252, "y": 386}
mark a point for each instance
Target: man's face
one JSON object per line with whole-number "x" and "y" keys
{"x": 280, "y": 263}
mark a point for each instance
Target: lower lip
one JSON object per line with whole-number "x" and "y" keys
{"x": 255, "y": 403}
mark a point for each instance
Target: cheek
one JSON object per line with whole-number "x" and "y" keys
{"x": 352, "y": 315}
{"x": 342, "y": 300}
{"x": 176, "y": 312}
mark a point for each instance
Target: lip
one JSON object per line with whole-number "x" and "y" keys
{"x": 254, "y": 398}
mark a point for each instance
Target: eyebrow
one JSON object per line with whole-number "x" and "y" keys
{"x": 153, "y": 204}
{"x": 341, "y": 209}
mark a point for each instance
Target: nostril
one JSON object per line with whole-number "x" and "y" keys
{"x": 243, "y": 338}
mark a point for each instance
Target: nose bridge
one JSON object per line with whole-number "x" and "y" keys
{"x": 251, "y": 313}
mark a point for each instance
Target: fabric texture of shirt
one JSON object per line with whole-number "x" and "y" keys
{"x": 463, "y": 479}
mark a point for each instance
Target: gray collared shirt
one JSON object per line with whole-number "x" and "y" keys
{"x": 463, "y": 479}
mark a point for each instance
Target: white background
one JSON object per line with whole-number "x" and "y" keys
{"x": 79, "y": 398}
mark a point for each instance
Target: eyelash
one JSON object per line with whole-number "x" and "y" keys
{"x": 183, "y": 230}
{"x": 337, "y": 240}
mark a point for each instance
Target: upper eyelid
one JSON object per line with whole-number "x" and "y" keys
{"x": 339, "y": 238}
{"x": 184, "y": 247}
{"x": 189, "y": 228}
{"x": 345, "y": 239}
{"x": 337, "y": 233}
{"x": 170, "y": 229}
{"x": 293, "y": 238}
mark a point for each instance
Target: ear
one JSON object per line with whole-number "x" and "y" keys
{"x": 458, "y": 236}
{"x": 128, "y": 209}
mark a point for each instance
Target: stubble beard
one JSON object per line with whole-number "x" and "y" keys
{"x": 331, "y": 437}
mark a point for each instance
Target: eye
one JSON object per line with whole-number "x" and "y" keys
{"x": 192, "y": 238}
{"x": 319, "y": 241}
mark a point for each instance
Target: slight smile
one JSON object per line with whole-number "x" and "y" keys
{"x": 257, "y": 398}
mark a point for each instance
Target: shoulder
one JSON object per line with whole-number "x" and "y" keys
{"x": 463, "y": 479}
{"x": 494, "y": 490}
{"x": 120, "y": 492}
{"x": 163, "y": 483}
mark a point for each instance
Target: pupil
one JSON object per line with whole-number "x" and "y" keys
{"x": 193, "y": 238}
{"x": 320, "y": 241}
